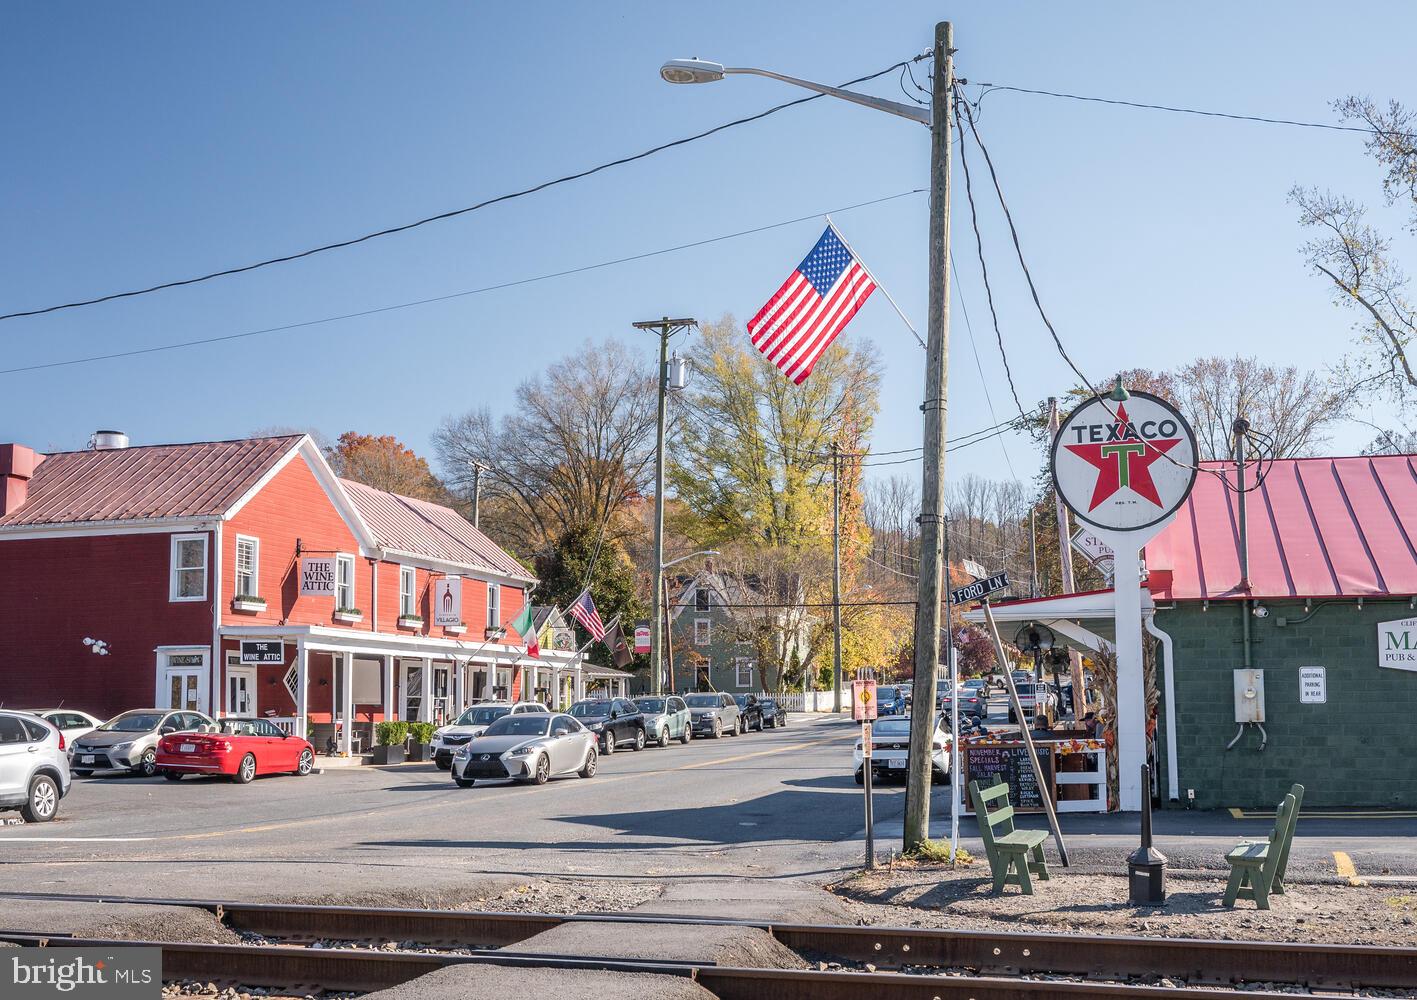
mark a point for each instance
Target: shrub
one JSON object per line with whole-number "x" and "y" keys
{"x": 389, "y": 734}
{"x": 422, "y": 732}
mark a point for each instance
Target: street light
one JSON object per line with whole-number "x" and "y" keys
{"x": 661, "y": 593}
{"x": 691, "y": 555}
{"x": 930, "y": 595}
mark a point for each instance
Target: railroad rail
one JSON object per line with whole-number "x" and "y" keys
{"x": 1197, "y": 961}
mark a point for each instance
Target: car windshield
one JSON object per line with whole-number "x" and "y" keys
{"x": 892, "y": 727}
{"x": 590, "y": 709}
{"x": 481, "y": 716}
{"x": 134, "y": 722}
{"x": 768, "y": 703}
{"x": 701, "y": 700}
{"x": 519, "y": 725}
{"x": 650, "y": 705}
{"x": 885, "y": 694}
{"x": 244, "y": 727}
{"x": 741, "y": 699}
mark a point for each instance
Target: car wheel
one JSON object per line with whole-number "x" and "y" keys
{"x": 442, "y": 766}
{"x": 82, "y": 774}
{"x": 588, "y": 768}
{"x": 608, "y": 743}
{"x": 717, "y": 728}
{"x": 147, "y": 763}
{"x": 43, "y": 801}
{"x": 664, "y": 737}
{"x": 306, "y": 764}
{"x": 687, "y": 734}
{"x": 860, "y": 776}
{"x": 246, "y": 770}
{"x": 772, "y": 723}
{"x": 172, "y": 775}
{"x": 738, "y": 726}
{"x": 760, "y": 725}
{"x": 464, "y": 782}
{"x": 542, "y": 772}
{"x": 639, "y": 739}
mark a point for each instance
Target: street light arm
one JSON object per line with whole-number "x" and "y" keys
{"x": 914, "y": 113}
{"x": 691, "y": 555}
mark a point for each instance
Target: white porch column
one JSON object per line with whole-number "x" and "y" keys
{"x": 459, "y": 673}
{"x": 388, "y": 687}
{"x": 302, "y": 688}
{"x": 555, "y": 688}
{"x": 1131, "y": 688}
{"x": 346, "y": 706}
{"x": 425, "y": 702}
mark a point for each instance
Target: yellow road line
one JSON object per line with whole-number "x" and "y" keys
{"x": 1344, "y": 865}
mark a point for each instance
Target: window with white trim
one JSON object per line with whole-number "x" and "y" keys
{"x": 344, "y": 582}
{"x": 189, "y": 568}
{"x": 703, "y": 632}
{"x": 408, "y": 582}
{"x": 743, "y": 672}
{"x": 494, "y": 605}
{"x": 248, "y": 566}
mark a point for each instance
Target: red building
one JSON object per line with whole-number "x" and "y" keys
{"x": 240, "y": 577}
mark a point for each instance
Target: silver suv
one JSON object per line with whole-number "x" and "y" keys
{"x": 34, "y": 773}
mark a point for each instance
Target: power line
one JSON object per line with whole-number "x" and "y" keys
{"x": 979, "y": 366}
{"x": 452, "y": 295}
{"x": 441, "y": 216}
{"x": 1329, "y": 126}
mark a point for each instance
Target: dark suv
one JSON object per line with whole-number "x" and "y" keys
{"x": 615, "y": 722}
{"x": 751, "y": 711}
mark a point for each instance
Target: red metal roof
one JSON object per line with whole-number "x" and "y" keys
{"x": 157, "y": 481}
{"x": 428, "y": 529}
{"x": 1318, "y": 527}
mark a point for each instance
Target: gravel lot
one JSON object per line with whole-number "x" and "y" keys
{"x": 574, "y": 896}
{"x": 916, "y": 895}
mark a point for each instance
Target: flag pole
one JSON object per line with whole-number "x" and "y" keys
{"x": 874, "y": 279}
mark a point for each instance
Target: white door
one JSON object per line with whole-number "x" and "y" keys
{"x": 442, "y": 696}
{"x": 240, "y": 686}
{"x": 181, "y": 681}
{"x": 411, "y": 690}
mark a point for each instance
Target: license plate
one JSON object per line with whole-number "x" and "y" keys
{"x": 87, "y": 758}
{"x": 187, "y": 748}
{"x": 895, "y": 762}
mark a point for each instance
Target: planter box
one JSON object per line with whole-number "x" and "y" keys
{"x": 410, "y": 622}
{"x": 455, "y": 629}
{"x": 349, "y": 617}
{"x": 388, "y": 755}
{"x": 239, "y": 605}
{"x": 419, "y": 752}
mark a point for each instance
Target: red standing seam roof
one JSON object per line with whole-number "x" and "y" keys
{"x": 1318, "y": 527}
{"x": 204, "y": 479}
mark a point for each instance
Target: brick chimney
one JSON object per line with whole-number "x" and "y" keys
{"x": 17, "y": 465}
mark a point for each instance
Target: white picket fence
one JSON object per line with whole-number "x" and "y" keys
{"x": 802, "y": 701}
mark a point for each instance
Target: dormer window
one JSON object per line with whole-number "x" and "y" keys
{"x": 701, "y": 599}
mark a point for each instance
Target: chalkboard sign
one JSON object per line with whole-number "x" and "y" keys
{"x": 986, "y": 764}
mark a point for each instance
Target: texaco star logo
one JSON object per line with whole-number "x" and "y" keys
{"x": 1124, "y": 466}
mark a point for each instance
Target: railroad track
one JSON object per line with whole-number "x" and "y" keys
{"x": 993, "y": 959}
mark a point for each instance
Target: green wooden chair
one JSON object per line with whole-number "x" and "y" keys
{"x": 1007, "y": 849}
{"x": 1255, "y": 865}
{"x": 1277, "y": 889}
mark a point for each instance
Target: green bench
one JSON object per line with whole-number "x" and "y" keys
{"x": 1007, "y": 849}
{"x": 1257, "y": 867}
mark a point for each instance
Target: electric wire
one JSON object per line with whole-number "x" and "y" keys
{"x": 441, "y": 216}
{"x": 979, "y": 366}
{"x": 451, "y": 295}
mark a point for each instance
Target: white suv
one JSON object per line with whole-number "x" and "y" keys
{"x": 448, "y": 740}
{"x": 34, "y": 771}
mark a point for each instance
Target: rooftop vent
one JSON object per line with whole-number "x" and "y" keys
{"x": 108, "y": 440}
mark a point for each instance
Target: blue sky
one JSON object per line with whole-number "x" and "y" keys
{"x": 154, "y": 141}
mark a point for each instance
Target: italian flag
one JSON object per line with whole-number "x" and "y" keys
{"x": 524, "y": 628}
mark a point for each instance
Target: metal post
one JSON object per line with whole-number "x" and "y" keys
{"x": 954, "y": 711}
{"x": 476, "y": 493}
{"x": 836, "y": 578}
{"x": 1065, "y": 561}
{"x": 668, "y": 634}
{"x": 1032, "y": 554}
{"x": 927, "y": 620}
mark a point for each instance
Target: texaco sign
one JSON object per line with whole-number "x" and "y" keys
{"x": 1124, "y": 466}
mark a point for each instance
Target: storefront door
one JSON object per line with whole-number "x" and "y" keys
{"x": 240, "y": 687}
{"x": 182, "y": 681}
{"x": 442, "y": 692}
{"x": 411, "y": 690}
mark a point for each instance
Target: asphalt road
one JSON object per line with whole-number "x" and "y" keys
{"x": 765, "y": 805}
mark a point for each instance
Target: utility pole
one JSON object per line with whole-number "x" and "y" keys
{"x": 932, "y": 570}
{"x": 1032, "y": 554}
{"x": 1065, "y": 560}
{"x": 476, "y": 492}
{"x": 836, "y": 576}
{"x": 666, "y": 328}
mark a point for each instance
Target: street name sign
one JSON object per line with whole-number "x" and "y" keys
{"x": 262, "y": 651}
{"x": 979, "y": 589}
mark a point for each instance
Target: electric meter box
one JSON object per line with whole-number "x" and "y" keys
{"x": 1249, "y": 696}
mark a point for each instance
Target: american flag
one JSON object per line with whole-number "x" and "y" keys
{"x": 583, "y": 610}
{"x": 813, "y": 305}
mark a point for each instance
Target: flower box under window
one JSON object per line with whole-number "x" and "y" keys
{"x": 410, "y": 621}
{"x": 349, "y": 616}
{"x": 247, "y": 602}
{"x": 455, "y": 629}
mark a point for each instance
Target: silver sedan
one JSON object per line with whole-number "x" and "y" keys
{"x": 533, "y": 748}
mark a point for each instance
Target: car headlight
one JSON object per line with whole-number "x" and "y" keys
{"x": 462, "y": 751}
{"x": 120, "y": 747}
{"x": 596, "y": 727}
{"x": 520, "y": 751}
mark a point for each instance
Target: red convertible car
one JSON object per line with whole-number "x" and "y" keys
{"x": 241, "y": 748}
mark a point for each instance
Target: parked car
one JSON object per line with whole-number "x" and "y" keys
{"x": 614, "y": 721}
{"x": 236, "y": 747}
{"x": 34, "y": 771}
{"x": 532, "y": 748}
{"x": 971, "y": 702}
{"x": 474, "y": 722}
{"x": 666, "y": 719}
{"x": 1034, "y": 698}
{"x": 69, "y": 721}
{"x": 714, "y": 713}
{"x": 976, "y": 684}
{"x": 128, "y": 742}
{"x": 774, "y": 715}
{"x": 890, "y": 750}
{"x": 750, "y": 710}
{"x": 889, "y": 700}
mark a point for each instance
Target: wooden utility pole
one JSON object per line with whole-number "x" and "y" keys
{"x": 932, "y": 490}
{"x": 836, "y": 576}
{"x": 1065, "y": 560}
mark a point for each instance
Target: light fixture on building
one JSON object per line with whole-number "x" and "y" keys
{"x": 96, "y": 646}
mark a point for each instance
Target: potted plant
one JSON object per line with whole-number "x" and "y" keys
{"x": 420, "y": 735}
{"x": 410, "y": 621}
{"x": 349, "y": 616}
{"x": 389, "y": 740}
{"x": 248, "y": 602}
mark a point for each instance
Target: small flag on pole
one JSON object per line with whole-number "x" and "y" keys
{"x": 619, "y": 651}
{"x": 583, "y": 610}
{"x": 527, "y": 631}
{"x": 813, "y": 305}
